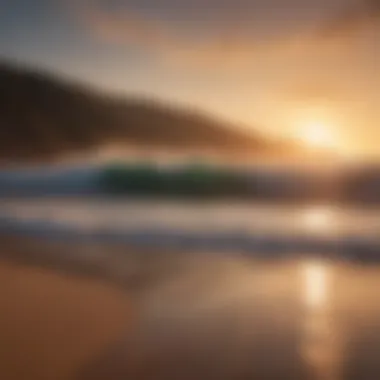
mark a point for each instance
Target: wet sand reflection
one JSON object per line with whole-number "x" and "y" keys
{"x": 320, "y": 345}
{"x": 188, "y": 317}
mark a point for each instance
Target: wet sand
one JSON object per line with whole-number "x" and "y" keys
{"x": 53, "y": 322}
{"x": 98, "y": 314}
{"x": 102, "y": 313}
{"x": 52, "y": 325}
{"x": 90, "y": 312}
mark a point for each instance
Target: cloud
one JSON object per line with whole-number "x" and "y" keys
{"x": 221, "y": 36}
{"x": 235, "y": 34}
{"x": 350, "y": 19}
{"x": 127, "y": 28}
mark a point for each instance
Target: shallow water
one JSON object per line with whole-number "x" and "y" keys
{"x": 314, "y": 219}
{"x": 250, "y": 228}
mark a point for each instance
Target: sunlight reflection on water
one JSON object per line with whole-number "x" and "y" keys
{"x": 318, "y": 219}
{"x": 320, "y": 347}
{"x": 316, "y": 281}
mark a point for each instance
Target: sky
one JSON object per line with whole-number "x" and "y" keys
{"x": 288, "y": 68}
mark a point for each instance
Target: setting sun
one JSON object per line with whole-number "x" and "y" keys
{"x": 317, "y": 134}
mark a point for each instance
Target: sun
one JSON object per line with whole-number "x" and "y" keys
{"x": 317, "y": 134}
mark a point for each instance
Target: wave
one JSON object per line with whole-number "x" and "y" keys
{"x": 269, "y": 245}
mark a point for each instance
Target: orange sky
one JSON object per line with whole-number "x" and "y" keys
{"x": 276, "y": 65}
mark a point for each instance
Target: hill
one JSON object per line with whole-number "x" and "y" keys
{"x": 43, "y": 116}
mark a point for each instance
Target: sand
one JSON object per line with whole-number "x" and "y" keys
{"x": 89, "y": 312}
{"x": 54, "y": 324}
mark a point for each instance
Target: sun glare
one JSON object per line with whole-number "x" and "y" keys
{"x": 317, "y": 134}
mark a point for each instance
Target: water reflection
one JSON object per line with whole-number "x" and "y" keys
{"x": 316, "y": 279}
{"x": 319, "y": 346}
{"x": 318, "y": 219}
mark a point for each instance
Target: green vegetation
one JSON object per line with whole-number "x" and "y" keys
{"x": 190, "y": 181}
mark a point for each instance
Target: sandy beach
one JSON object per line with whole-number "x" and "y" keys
{"x": 53, "y": 324}
{"x": 92, "y": 312}
{"x": 97, "y": 314}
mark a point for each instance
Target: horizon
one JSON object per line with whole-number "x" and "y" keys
{"x": 314, "y": 64}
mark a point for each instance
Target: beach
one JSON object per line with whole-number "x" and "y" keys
{"x": 53, "y": 323}
{"x": 67, "y": 319}
{"x": 94, "y": 312}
